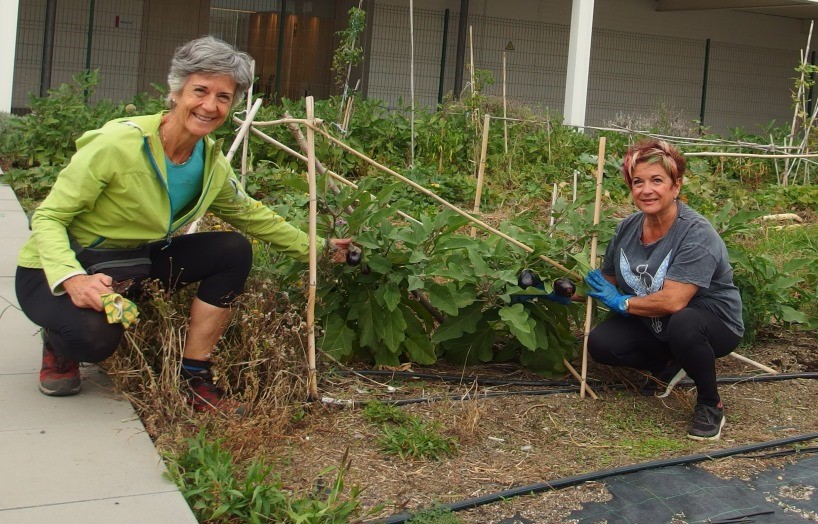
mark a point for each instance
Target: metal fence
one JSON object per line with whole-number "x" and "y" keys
{"x": 632, "y": 75}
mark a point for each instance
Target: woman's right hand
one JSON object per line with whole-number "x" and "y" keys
{"x": 87, "y": 290}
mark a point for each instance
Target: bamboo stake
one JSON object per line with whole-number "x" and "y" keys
{"x": 246, "y": 143}
{"x": 471, "y": 60}
{"x": 412, "y": 79}
{"x": 589, "y": 304}
{"x": 318, "y": 166}
{"x": 751, "y": 155}
{"x": 302, "y": 143}
{"x": 312, "y": 379}
{"x": 243, "y": 130}
{"x": 577, "y": 376}
{"x": 505, "y": 115}
{"x": 553, "y": 203}
{"x": 753, "y": 363}
{"x": 446, "y": 204}
{"x": 481, "y": 170}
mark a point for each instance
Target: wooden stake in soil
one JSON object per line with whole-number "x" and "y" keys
{"x": 589, "y": 304}
{"x": 481, "y": 169}
{"x": 246, "y": 143}
{"x": 312, "y": 380}
{"x": 505, "y": 108}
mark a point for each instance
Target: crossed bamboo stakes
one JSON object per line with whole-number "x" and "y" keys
{"x": 313, "y": 126}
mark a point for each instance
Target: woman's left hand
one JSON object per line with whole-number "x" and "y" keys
{"x": 606, "y": 292}
{"x": 339, "y": 248}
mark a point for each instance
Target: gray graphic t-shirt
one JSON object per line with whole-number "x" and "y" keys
{"x": 691, "y": 253}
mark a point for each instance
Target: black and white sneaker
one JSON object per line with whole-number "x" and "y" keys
{"x": 707, "y": 422}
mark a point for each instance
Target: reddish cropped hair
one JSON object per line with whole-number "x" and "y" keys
{"x": 651, "y": 151}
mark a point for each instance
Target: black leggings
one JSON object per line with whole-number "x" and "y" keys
{"x": 695, "y": 339}
{"x": 220, "y": 261}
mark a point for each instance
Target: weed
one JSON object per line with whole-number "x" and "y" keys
{"x": 379, "y": 413}
{"x": 417, "y": 440}
{"x": 407, "y": 436}
{"x": 218, "y": 491}
{"x": 435, "y": 516}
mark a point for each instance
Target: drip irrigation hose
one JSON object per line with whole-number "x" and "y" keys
{"x": 597, "y": 475}
{"x": 461, "y": 379}
{"x": 734, "y": 379}
{"x": 573, "y": 388}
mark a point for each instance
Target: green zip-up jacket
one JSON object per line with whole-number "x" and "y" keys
{"x": 114, "y": 194}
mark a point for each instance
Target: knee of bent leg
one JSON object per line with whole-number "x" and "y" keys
{"x": 92, "y": 343}
{"x": 235, "y": 247}
{"x": 685, "y": 327}
{"x": 599, "y": 350}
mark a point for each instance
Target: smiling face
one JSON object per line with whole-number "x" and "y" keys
{"x": 653, "y": 190}
{"x": 203, "y": 103}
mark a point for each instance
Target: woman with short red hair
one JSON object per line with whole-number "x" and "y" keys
{"x": 667, "y": 275}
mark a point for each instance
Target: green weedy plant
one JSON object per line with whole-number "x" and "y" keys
{"x": 407, "y": 436}
{"x": 435, "y": 516}
{"x": 218, "y": 492}
{"x": 417, "y": 440}
{"x": 770, "y": 295}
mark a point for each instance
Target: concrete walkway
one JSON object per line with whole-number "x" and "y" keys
{"x": 82, "y": 459}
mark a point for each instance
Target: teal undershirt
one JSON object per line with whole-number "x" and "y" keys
{"x": 185, "y": 180}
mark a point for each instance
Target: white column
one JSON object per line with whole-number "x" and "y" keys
{"x": 579, "y": 60}
{"x": 8, "y": 44}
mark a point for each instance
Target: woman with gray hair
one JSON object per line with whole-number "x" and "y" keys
{"x": 111, "y": 218}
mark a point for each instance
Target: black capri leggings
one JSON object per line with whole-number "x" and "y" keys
{"x": 695, "y": 339}
{"x": 220, "y": 261}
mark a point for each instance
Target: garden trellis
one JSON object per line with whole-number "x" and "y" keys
{"x": 315, "y": 126}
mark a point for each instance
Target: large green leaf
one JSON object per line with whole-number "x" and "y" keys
{"x": 455, "y": 326}
{"x": 793, "y": 315}
{"x": 471, "y": 348}
{"x": 389, "y": 295}
{"x": 549, "y": 363}
{"x": 418, "y": 347}
{"x": 364, "y": 308}
{"x": 390, "y": 327}
{"x": 338, "y": 339}
{"x": 440, "y": 295}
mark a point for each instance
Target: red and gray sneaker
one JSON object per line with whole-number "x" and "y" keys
{"x": 59, "y": 376}
{"x": 204, "y": 395}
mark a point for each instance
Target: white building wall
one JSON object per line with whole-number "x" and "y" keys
{"x": 641, "y": 59}
{"x": 8, "y": 28}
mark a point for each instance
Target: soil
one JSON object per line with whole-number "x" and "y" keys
{"x": 518, "y": 440}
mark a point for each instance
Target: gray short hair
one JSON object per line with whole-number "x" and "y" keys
{"x": 209, "y": 55}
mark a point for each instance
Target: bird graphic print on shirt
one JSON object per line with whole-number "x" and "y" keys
{"x": 643, "y": 283}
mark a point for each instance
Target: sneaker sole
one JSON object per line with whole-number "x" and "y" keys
{"x": 61, "y": 391}
{"x": 714, "y": 437}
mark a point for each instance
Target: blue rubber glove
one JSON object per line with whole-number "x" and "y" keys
{"x": 606, "y": 292}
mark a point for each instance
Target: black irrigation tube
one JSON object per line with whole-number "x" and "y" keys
{"x": 549, "y": 383}
{"x": 597, "y": 475}
{"x": 573, "y": 388}
{"x": 462, "y": 379}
